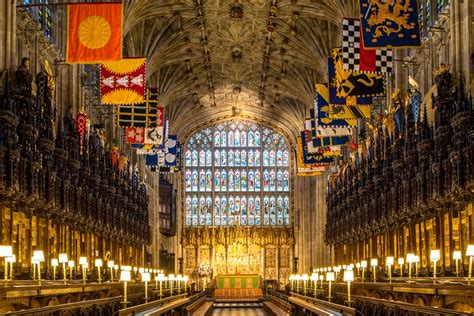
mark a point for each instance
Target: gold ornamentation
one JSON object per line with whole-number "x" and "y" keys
{"x": 392, "y": 17}
{"x": 441, "y": 69}
{"x": 94, "y": 32}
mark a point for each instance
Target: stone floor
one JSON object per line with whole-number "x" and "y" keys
{"x": 244, "y": 311}
{"x": 238, "y": 309}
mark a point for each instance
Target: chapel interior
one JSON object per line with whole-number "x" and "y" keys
{"x": 236, "y": 157}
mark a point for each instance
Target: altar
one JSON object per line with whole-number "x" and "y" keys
{"x": 248, "y": 281}
{"x": 240, "y": 257}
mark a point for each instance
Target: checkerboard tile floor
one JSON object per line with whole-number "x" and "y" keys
{"x": 238, "y": 309}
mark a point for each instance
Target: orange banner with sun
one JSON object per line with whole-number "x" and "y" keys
{"x": 94, "y": 32}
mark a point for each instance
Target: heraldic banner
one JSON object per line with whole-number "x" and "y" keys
{"x": 94, "y": 32}
{"x": 389, "y": 24}
{"x": 123, "y": 81}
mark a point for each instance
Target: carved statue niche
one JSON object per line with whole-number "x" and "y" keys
{"x": 443, "y": 79}
{"x": 23, "y": 79}
{"x": 236, "y": 11}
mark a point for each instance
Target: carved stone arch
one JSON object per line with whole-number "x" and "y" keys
{"x": 377, "y": 294}
{"x": 12, "y": 307}
{"x": 405, "y": 297}
{"x": 419, "y": 300}
{"x": 35, "y": 303}
{"x": 389, "y": 296}
{"x": 437, "y": 301}
{"x": 461, "y": 306}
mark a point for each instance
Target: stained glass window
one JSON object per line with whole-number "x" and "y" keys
{"x": 231, "y": 169}
{"x": 45, "y": 18}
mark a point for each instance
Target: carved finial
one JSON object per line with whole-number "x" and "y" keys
{"x": 441, "y": 69}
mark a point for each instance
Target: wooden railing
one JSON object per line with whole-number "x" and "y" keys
{"x": 162, "y": 305}
{"x": 196, "y": 301}
{"x": 316, "y": 306}
{"x": 104, "y": 306}
{"x": 320, "y": 307}
{"x": 374, "y": 306}
{"x": 114, "y": 305}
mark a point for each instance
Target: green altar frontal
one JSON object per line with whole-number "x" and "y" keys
{"x": 238, "y": 281}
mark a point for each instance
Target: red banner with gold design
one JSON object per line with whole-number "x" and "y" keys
{"x": 94, "y": 32}
{"x": 123, "y": 81}
{"x": 81, "y": 126}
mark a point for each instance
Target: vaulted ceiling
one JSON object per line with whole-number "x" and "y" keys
{"x": 217, "y": 58}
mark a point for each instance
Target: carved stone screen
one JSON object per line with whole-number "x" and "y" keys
{"x": 237, "y": 173}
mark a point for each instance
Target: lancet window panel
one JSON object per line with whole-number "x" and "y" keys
{"x": 237, "y": 173}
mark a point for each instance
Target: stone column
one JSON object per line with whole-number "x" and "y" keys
{"x": 7, "y": 34}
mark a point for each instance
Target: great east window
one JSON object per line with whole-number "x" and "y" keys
{"x": 237, "y": 173}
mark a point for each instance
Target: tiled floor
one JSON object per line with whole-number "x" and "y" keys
{"x": 238, "y": 309}
{"x": 238, "y": 312}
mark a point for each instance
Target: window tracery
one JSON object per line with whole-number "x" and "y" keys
{"x": 225, "y": 180}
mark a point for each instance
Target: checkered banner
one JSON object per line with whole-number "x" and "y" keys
{"x": 355, "y": 57}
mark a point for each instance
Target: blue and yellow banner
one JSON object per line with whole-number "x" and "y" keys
{"x": 347, "y": 84}
{"x": 323, "y": 110}
{"x": 389, "y": 24}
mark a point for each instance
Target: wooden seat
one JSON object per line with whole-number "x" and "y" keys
{"x": 204, "y": 310}
{"x": 201, "y": 307}
{"x": 273, "y": 309}
{"x": 238, "y": 294}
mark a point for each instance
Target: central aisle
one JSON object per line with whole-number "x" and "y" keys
{"x": 238, "y": 311}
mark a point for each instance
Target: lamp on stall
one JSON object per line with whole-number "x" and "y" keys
{"x": 110, "y": 265}
{"x": 11, "y": 260}
{"x": 314, "y": 278}
{"x": 330, "y": 278}
{"x": 54, "y": 264}
{"x": 410, "y": 260}
{"x": 337, "y": 270}
{"x": 363, "y": 265}
{"x": 146, "y": 278}
{"x": 305, "y": 279}
{"x": 297, "y": 279}
{"x": 348, "y": 277}
{"x": 6, "y": 251}
{"x": 390, "y": 261}
{"x": 98, "y": 265}
{"x": 457, "y": 257}
{"x": 374, "y": 263}
{"x": 125, "y": 276}
{"x": 170, "y": 282}
{"x": 470, "y": 254}
{"x": 39, "y": 257}
{"x": 116, "y": 267}
{"x": 70, "y": 264}
{"x": 135, "y": 271}
{"x": 358, "y": 269}
{"x": 33, "y": 264}
{"x": 63, "y": 261}
{"x": 83, "y": 263}
{"x": 435, "y": 256}
{"x": 321, "y": 278}
{"x": 401, "y": 262}
{"x": 185, "y": 280}
{"x": 179, "y": 279}
{"x": 161, "y": 277}
{"x": 416, "y": 259}
{"x": 290, "y": 278}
